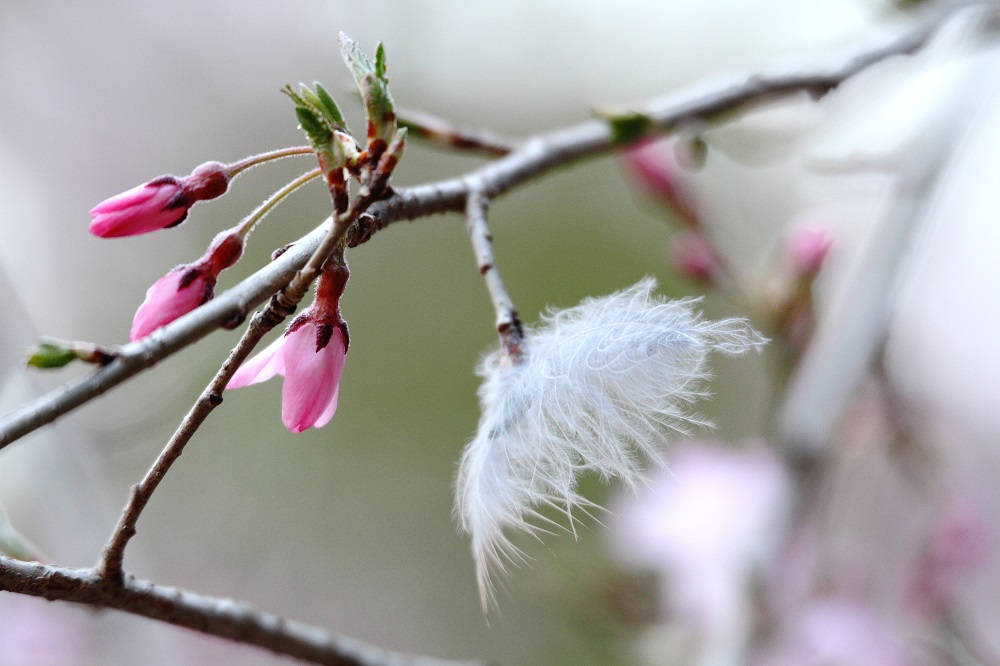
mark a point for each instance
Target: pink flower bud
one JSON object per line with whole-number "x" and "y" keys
{"x": 156, "y": 205}
{"x": 807, "y": 247}
{"x": 694, "y": 257}
{"x": 958, "y": 545}
{"x": 656, "y": 171}
{"x": 310, "y": 356}
{"x": 186, "y": 287}
{"x": 159, "y": 204}
{"x": 175, "y": 294}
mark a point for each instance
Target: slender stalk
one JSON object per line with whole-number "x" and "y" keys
{"x": 246, "y": 163}
{"x": 259, "y": 213}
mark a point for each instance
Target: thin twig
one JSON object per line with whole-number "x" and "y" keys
{"x": 438, "y": 131}
{"x": 535, "y": 157}
{"x": 224, "y": 618}
{"x": 508, "y": 323}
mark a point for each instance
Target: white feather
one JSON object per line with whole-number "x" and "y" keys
{"x": 601, "y": 387}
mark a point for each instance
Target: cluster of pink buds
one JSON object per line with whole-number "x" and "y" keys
{"x": 311, "y": 353}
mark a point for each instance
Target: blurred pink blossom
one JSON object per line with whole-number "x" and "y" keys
{"x": 807, "y": 246}
{"x": 958, "y": 545}
{"x": 834, "y": 632}
{"x": 34, "y": 633}
{"x": 705, "y": 524}
{"x": 694, "y": 256}
{"x": 654, "y": 168}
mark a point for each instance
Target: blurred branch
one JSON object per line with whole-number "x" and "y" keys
{"x": 440, "y": 132}
{"x": 536, "y": 156}
{"x": 224, "y": 618}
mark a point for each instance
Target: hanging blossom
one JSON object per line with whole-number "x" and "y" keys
{"x": 310, "y": 356}
{"x": 188, "y": 286}
{"x": 161, "y": 203}
{"x": 601, "y": 387}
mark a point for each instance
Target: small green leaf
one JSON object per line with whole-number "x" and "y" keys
{"x": 372, "y": 83}
{"x": 51, "y": 355}
{"x": 355, "y": 58}
{"x": 379, "y": 107}
{"x": 328, "y": 106}
{"x": 315, "y": 129}
{"x": 380, "y": 62}
{"x": 295, "y": 97}
{"x": 626, "y": 126}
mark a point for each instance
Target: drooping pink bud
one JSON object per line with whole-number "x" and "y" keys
{"x": 694, "y": 256}
{"x": 654, "y": 168}
{"x": 159, "y": 204}
{"x": 310, "y": 356}
{"x": 958, "y": 545}
{"x": 186, "y": 287}
{"x": 807, "y": 247}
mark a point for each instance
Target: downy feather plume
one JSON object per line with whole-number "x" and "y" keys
{"x": 601, "y": 387}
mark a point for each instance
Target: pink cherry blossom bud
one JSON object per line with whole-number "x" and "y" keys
{"x": 156, "y": 205}
{"x": 186, "y": 287}
{"x": 176, "y": 293}
{"x": 694, "y": 257}
{"x": 655, "y": 169}
{"x": 807, "y": 247}
{"x": 310, "y": 356}
{"x": 159, "y": 204}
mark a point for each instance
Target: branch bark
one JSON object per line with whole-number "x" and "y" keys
{"x": 534, "y": 157}
{"x": 224, "y": 618}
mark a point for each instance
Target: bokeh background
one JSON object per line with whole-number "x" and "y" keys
{"x": 348, "y": 527}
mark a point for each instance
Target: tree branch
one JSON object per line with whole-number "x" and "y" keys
{"x": 535, "y": 157}
{"x": 224, "y": 618}
{"x": 439, "y": 132}
{"x": 508, "y": 323}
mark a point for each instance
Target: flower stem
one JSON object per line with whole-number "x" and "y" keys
{"x": 248, "y": 223}
{"x": 237, "y": 167}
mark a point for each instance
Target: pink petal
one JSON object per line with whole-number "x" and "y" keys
{"x": 166, "y": 302}
{"x": 260, "y": 368}
{"x": 137, "y": 211}
{"x": 330, "y": 410}
{"x": 309, "y": 395}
